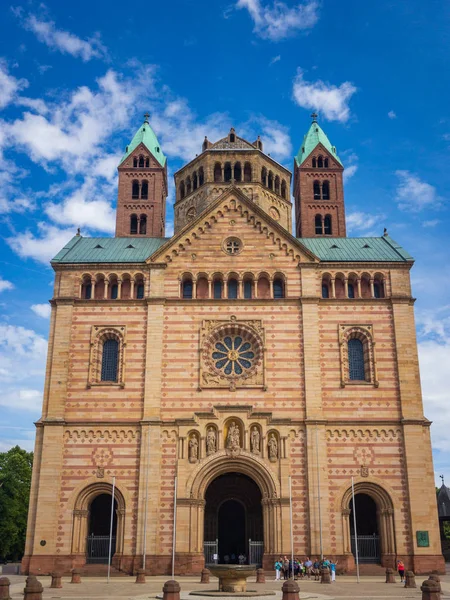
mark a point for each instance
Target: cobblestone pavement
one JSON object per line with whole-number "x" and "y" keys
{"x": 344, "y": 588}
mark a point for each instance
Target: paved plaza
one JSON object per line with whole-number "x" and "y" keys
{"x": 344, "y": 588}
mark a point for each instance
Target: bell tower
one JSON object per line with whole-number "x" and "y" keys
{"x": 141, "y": 201}
{"x": 318, "y": 186}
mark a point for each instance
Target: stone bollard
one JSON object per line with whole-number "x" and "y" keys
{"x": 260, "y": 576}
{"x": 205, "y": 576}
{"x": 435, "y": 577}
{"x": 430, "y": 590}
{"x": 171, "y": 590}
{"x": 325, "y": 575}
{"x": 290, "y": 590}
{"x": 390, "y": 576}
{"x": 76, "y": 577}
{"x": 56, "y": 580}
{"x": 4, "y": 589}
{"x": 33, "y": 589}
{"x": 140, "y": 576}
{"x": 410, "y": 580}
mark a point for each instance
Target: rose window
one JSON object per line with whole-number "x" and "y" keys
{"x": 233, "y": 355}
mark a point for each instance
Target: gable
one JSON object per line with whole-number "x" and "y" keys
{"x": 141, "y": 149}
{"x": 317, "y": 151}
{"x": 233, "y": 213}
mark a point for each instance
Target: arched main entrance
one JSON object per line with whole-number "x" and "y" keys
{"x": 233, "y": 523}
{"x": 366, "y": 528}
{"x": 97, "y": 546}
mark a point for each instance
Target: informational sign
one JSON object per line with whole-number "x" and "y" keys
{"x": 423, "y": 540}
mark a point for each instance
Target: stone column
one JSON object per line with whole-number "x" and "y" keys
{"x": 93, "y": 289}
{"x": 131, "y": 288}
{"x": 333, "y": 287}
{"x": 271, "y": 287}
{"x": 372, "y": 290}
{"x": 255, "y": 287}
{"x": 105, "y": 293}
{"x": 194, "y": 288}
{"x": 346, "y": 530}
{"x": 210, "y": 288}
{"x": 358, "y": 285}
{"x": 119, "y": 289}
{"x": 225, "y": 289}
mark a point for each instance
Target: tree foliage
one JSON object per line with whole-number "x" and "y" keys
{"x": 15, "y": 482}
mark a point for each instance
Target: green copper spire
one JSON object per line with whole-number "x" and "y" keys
{"x": 314, "y": 137}
{"x": 146, "y": 136}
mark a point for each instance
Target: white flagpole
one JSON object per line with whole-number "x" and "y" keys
{"x": 144, "y": 551}
{"x": 318, "y": 494}
{"x": 174, "y": 537}
{"x": 355, "y": 532}
{"x": 292, "y": 529}
{"x": 111, "y": 528}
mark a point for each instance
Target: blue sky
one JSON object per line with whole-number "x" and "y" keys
{"x": 74, "y": 84}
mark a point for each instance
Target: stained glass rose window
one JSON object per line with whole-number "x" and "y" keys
{"x": 233, "y": 355}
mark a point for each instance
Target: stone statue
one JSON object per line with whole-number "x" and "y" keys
{"x": 193, "y": 449}
{"x": 233, "y": 437}
{"x": 210, "y": 441}
{"x": 273, "y": 447}
{"x": 255, "y": 438}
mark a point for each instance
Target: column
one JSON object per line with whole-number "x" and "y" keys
{"x": 225, "y": 289}
{"x": 346, "y": 531}
{"x": 241, "y": 288}
{"x": 372, "y": 291}
{"x": 194, "y": 288}
{"x": 210, "y": 289}
{"x": 271, "y": 287}
{"x": 80, "y": 293}
{"x": 131, "y": 288}
{"x": 255, "y": 288}
{"x": 346, "y": 287}
{"x": 105, "y": 295}
{"x": 333, "y": 287}
{"x": 93, "y": 289}
{"x": 358, "y": 284}
{"x": 119, "y": 289}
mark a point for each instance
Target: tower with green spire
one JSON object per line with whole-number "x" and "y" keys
{"x": 318, "y": 186}
{"x": 142, "y": 193}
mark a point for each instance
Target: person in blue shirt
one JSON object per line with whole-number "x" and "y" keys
{"x": 333, "y": 569}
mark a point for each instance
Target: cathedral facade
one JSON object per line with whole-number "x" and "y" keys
{"x": 206, "y": 378}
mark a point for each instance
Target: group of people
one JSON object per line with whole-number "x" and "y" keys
{"x": 300, "y": 569}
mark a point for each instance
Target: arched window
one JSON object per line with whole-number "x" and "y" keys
{"x": 314, "y": 162}
{"x": 351, "y": 290}
{"x": 326, "y": 190}
{"x": 87, "y": 290}
{"x": 187, "y": 288}
{"x": 188, "y": 186}
{"x": 227, "y": 172}
{"x": 133, "y": 224}
{"x": 135, "y": 162}
{"x": 217, "y": 172}
{"x": 318, "y": 224}
{"x": 247, "y": 172}
{"x": 218, "y": 289}
{"x": 141, "y": 161}
{"x": 232, "y": 289}
{"x": 194, "y": 180}
{"x": 325, "y": 163}
{"x": 356, "y": 371}
{"x": 114, "y": 291}
{"x": 201, "y": 177}
{"x": 327, "y": 225}
{"x": 270, "y": 180}
{"x": 248, "y": 288}
{"x": 144, "y": 190}
{"x": 147, "y": 162}
{"x": 238, "y": 172}
{"x": 325, "y": 290}
{"x": 283, "y": 189}
{"x": 232, "y": 138}
{"x": 140, "y": 290}
{"x": 182, "y": 192}
{"x": 135, "y": 189}
{"x": 278, "y": 288}
{"x": 320, "y": 162}
{"x": 277, "y": 185}
{"x": 143, "y": 225}
{"x": 378, "y": 289}
{"x": 110, "y": 360}
{"x": 264, "y": 176}
{"x": 316, "y": 190}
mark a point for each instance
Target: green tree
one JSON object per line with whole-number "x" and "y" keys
{"x": 15, "y": 483}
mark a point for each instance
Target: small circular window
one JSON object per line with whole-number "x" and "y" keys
{"x": 274, "y": 213}
{"x": 232, "y": 246}
{"x": 233, "y": 355}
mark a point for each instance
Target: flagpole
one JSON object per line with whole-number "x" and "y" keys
{"x": 318, "y": 494}
{"x": 356, "y": 533}
{"x": 144, "y": 552}
{"x": 111, "y": 528}
{"x": 292, "y": 530}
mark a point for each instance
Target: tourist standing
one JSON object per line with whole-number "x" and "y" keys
{"x": 286, "y": 567}
{"x": 316, "y": 569}
{"x": 401, "y": 570}
{"x": 278, "y": 568}
{"x": 308, "y": 566}
{"x": 333, "y": 569}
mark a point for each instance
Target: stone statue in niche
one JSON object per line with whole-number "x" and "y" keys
{"x": 193, "y": 449}
{"x": 254, "y": 441}
{"x": 210, "y": 441}
{"x": 233, "y": 437}
{"x": 273, "y": 447}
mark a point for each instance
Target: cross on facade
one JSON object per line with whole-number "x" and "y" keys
{"x": 146, "y": 117}
{"x": 314, "y": 116}
{"x": 442, "y": 477}
{"x": 233, "y": 247}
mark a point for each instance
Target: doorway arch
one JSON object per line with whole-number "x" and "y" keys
{"x": 99, "y": 529}
{"x": 374, "y": 519}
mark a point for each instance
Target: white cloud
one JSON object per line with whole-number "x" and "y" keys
{"x": 350, "y": 163}
{"x": 42, "y": 310}
{"x": 5, "y": 285}
{"x": 363, "y": 222}
{"x": 350, "y": 171}
{"x": 64, "y": 41}
{"x": 43, "y": 247}
{"x": 431, "y": 223}
{"x": 330, "y": 100}
{"x": 413, "y": 194}
{"x": 9, "y": 85}
{"x": 392, "y": 115}
{"x": 275, "y": 137}
{"x": 274, "y": 60}
{"x": 279, "y": 21}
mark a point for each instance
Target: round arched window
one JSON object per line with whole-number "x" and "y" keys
{"x": 233, "y": 355}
